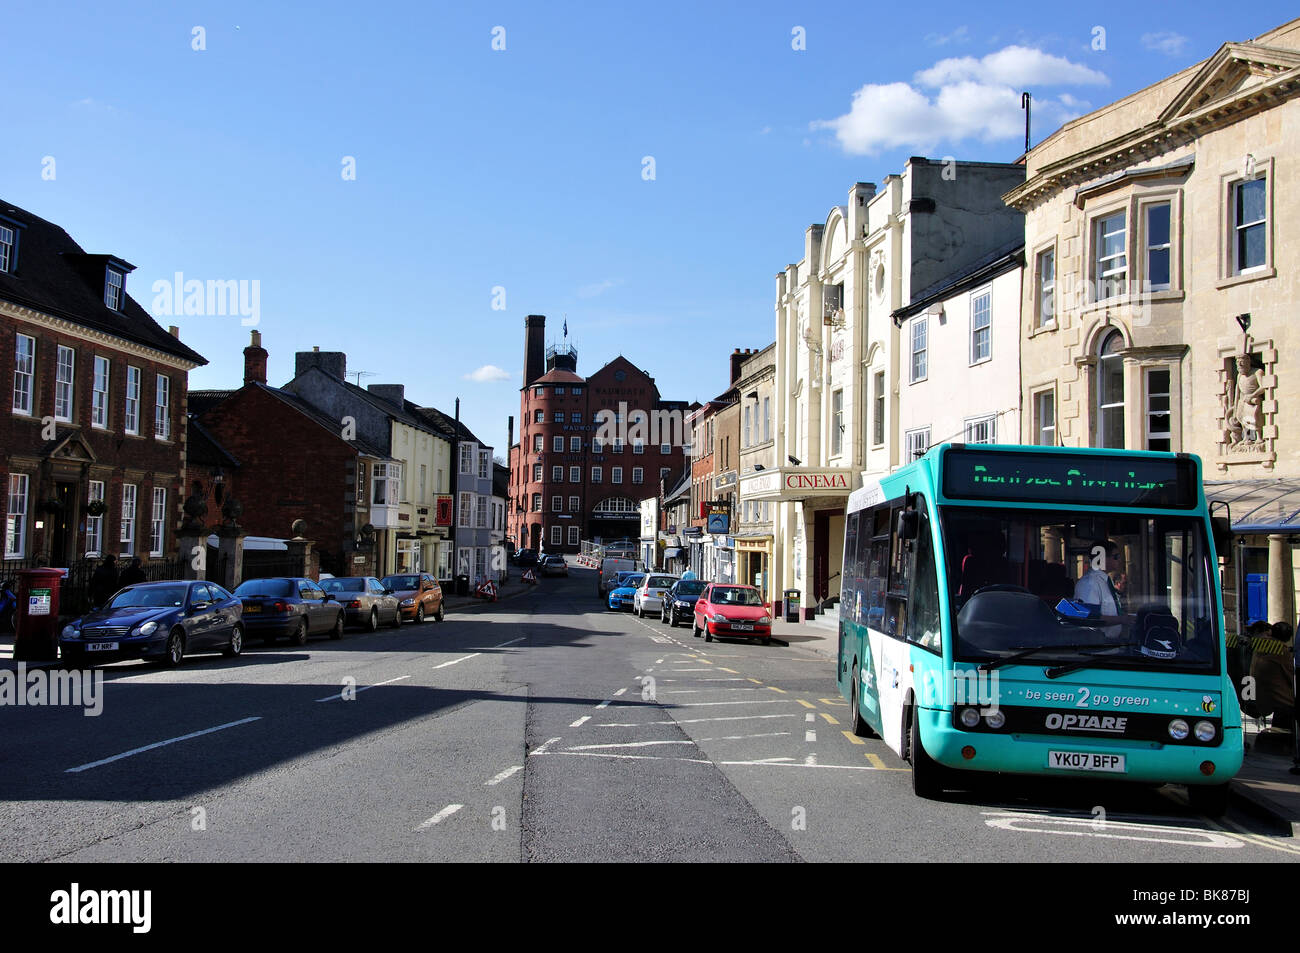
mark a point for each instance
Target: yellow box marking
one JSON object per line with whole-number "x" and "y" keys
{"x": 829, "y": 719}
{"x": 773, "y": 688}
{"x": 731, "y": 670}
{"x": 852, "y": 737}
{"x": 805, "y": 704}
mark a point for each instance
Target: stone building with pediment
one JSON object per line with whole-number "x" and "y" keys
{"x": 1162, "y": 274}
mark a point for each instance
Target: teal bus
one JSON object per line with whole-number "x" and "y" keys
{"x": 1040, "y": 611}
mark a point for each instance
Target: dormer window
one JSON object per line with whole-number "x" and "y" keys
{"x": 113, "y": 289}
{"x": 8, "y": 247}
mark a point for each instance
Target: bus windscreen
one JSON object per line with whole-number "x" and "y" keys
{"x": 1067, "y": 478}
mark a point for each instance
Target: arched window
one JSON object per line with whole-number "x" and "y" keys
{"x": 1110, "y": 392}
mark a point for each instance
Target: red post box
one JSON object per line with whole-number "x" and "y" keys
{"x": 36, "y": 635}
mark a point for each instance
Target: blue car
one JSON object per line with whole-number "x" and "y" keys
{"x": 157, "y": 620}
{"x": 625, "y": 587}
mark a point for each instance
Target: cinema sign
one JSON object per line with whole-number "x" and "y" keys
{"x": 796, "y": 483}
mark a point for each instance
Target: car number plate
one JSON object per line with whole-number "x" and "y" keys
{"x": 101, "y": 646}
{"x": 248, "y": 608}
{"x": 1087, "y": 761}
{"x": 742, "y": 627}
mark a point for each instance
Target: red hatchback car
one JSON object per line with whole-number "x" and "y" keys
{"x": 732, "y": 612}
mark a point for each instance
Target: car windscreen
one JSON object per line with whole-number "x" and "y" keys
{"x": 398, "y": 583}
{"x": 632, "y": 579}
{"x": 735, "y": 596}
{"x": 344, "y": 585}
{"x": 153, "y": 597}
{"x": 267, "y": 587}
{"x": 690, "y": 587}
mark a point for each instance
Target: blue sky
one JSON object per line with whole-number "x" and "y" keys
{"x": 522, "y": 168}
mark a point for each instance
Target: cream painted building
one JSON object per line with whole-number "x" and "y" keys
{"x": 1155, "y": 229}
{"x": 838, "y": 360}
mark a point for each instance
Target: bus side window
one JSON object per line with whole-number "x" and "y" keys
{"x": 900, "y": 558}
{"x": 923, "y": 626}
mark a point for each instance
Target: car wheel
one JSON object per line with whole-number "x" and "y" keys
{"x": 373, "y": 624}
{"x": 672, "y": 620}
{"x": 927, "y": 774}
{"x": 695, "y": 629}
{"x": 438, "y": 615}
{"x": 1208, "y": 799}
{"x": 337, "y": 631}
{"x": 236, "y": 646}
{"x": 640, "y": 612}
{"x": 419, "y": 614}
{"x": 708, "y": 636}
{"x": 397, "y": 618}
{"x": 175, "y": 649}
{"x": 299, "y": 636}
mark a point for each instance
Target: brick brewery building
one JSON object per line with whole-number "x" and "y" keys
{"x": 566, "y": 484}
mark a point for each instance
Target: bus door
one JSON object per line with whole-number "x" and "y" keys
{"x": 889, "y": 648}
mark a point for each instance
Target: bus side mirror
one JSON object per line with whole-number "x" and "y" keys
{"x": 909, "y": 523}
{"x": 1222, "y": 531}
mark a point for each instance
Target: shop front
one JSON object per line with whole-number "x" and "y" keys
{"x": 753, "y": 564}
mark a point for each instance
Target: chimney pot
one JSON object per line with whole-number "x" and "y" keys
{"x": 174, "y": 331}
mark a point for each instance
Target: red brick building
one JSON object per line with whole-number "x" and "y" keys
{"x": 589, "y": 448}
{"x": 92, "y": 445}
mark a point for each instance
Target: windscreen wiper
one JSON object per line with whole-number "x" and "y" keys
{"x": 1025, "y": 652}
{"x": 1069, "y": 667}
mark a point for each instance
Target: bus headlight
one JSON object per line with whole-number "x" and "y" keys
{"x": 996, "y": 719}
{"x": 970, "y": 717}
{"x": 1178, "y": 729}
{"x": 1205, "y": 731}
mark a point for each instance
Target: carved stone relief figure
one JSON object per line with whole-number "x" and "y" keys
{"x": 1243, "y": 400}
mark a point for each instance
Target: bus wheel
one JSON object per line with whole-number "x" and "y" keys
{"x": 859, "y": 724}
{"x": 1208, "y": 799}
{"x": 927, "y": 774}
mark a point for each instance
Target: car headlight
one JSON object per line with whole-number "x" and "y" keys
{"x": 682, "y": 604}
{"x": 765, "y": 620}
{"x": 70, "y": 631}
{"x": 718, "y": 618}
{"x": 147, "y": 629}
{"x": 407, "y": 603}
{"x": 1205, "y": 731}
{"x": 1178, "y": 729}
{"x": 970, "y": 717}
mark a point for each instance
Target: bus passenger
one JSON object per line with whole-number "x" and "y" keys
{"x": 1095, "y": 589}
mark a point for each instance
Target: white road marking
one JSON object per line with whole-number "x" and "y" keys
{"x": 766, "y": 734}
{"x": 659, "y": 661}
{"x": 456, "y": 660}
{"x": 1259, "y": 840}
{"x": 442, "y": 815}
{"x": 505, "y": 774}
{"x": 159, "y": 744}
{"x": 810, "y": 717}
{"x": 339, "y": 694}
{"x": 810, "y": 761}
{"x": 695, "y": 670}
{"x": 546, "y": 744}
{"x": 773, "y": 701}
{"x": 697, "y": 691}
{"x": 1025, "y": 822}
{"x": 605, "y": 703}
{"x": 619, "y": 692}
{"x": 511, "y": 642}
{"x": 810, "y": 735}
{"x": 578, "y": 723}
{"x": 631, "y": 744}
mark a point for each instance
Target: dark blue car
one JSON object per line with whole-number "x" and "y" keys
{"x": 157, "y": 620}
{"x": 289, "y": 605}
{"x": 679, "y": 601}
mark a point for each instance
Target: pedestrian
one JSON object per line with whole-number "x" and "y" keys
{"x": 132, "y": 574}
{"x": 104, "y": 582}
{"x": 1273, "y": 670}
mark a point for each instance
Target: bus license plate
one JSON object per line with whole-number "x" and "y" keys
{"x": 101, "y": 646}
{"x": 1086, "y": 761}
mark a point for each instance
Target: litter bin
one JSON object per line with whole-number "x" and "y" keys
{"x": 462, "y": 585}
{"x": 792, "y": 600}
{"x": 36, "y": 635}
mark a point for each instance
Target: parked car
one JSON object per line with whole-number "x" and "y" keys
{"x": 366, "y": 601}
{"x": 678, "y": 603}
{"x": 732, "y": 611}
{"x": 157, "y": 620}
{"x": 289, "y": 605}
{"x": 650, "y": 594}
{"x": 526, "y": 558}
{"x": 554, "y": 565}
{"x": 418, "y": 595}
{"x": 610, "y": 567}
{"x": 621, "y": 596}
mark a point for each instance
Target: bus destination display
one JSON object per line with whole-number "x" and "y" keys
{"x": 1070, "y": 478}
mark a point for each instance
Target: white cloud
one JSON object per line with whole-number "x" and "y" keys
{"x": 599, "y": 288}
{"x": 973, "y": 99}
{"x": 959, "y": 35}
{"x": 1012, "y": 66}
{"x": 488, "y": 374}
{"x": 1166, "y": 42}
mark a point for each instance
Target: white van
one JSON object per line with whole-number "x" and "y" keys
{"x": 610, "y": 567}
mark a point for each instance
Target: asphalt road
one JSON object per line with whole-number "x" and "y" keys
{"x": 542, "y": 728}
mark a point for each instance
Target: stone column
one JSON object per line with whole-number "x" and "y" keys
{"x": 300, "y": 553}
{"x": 1281, "y": 580}
{"x": 192, "y": 548}
{"x": 231, "y": 546}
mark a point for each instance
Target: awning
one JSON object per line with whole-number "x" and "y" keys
{"x": 1260, "y": 506}
{"x": 797, "y": 483}
{"x": 673, "y": 552}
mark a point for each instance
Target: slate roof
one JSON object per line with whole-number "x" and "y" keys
{"x": 446, "y": 425}
{"x": 208, "y": 399}
{"x": 55, "y": 275}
